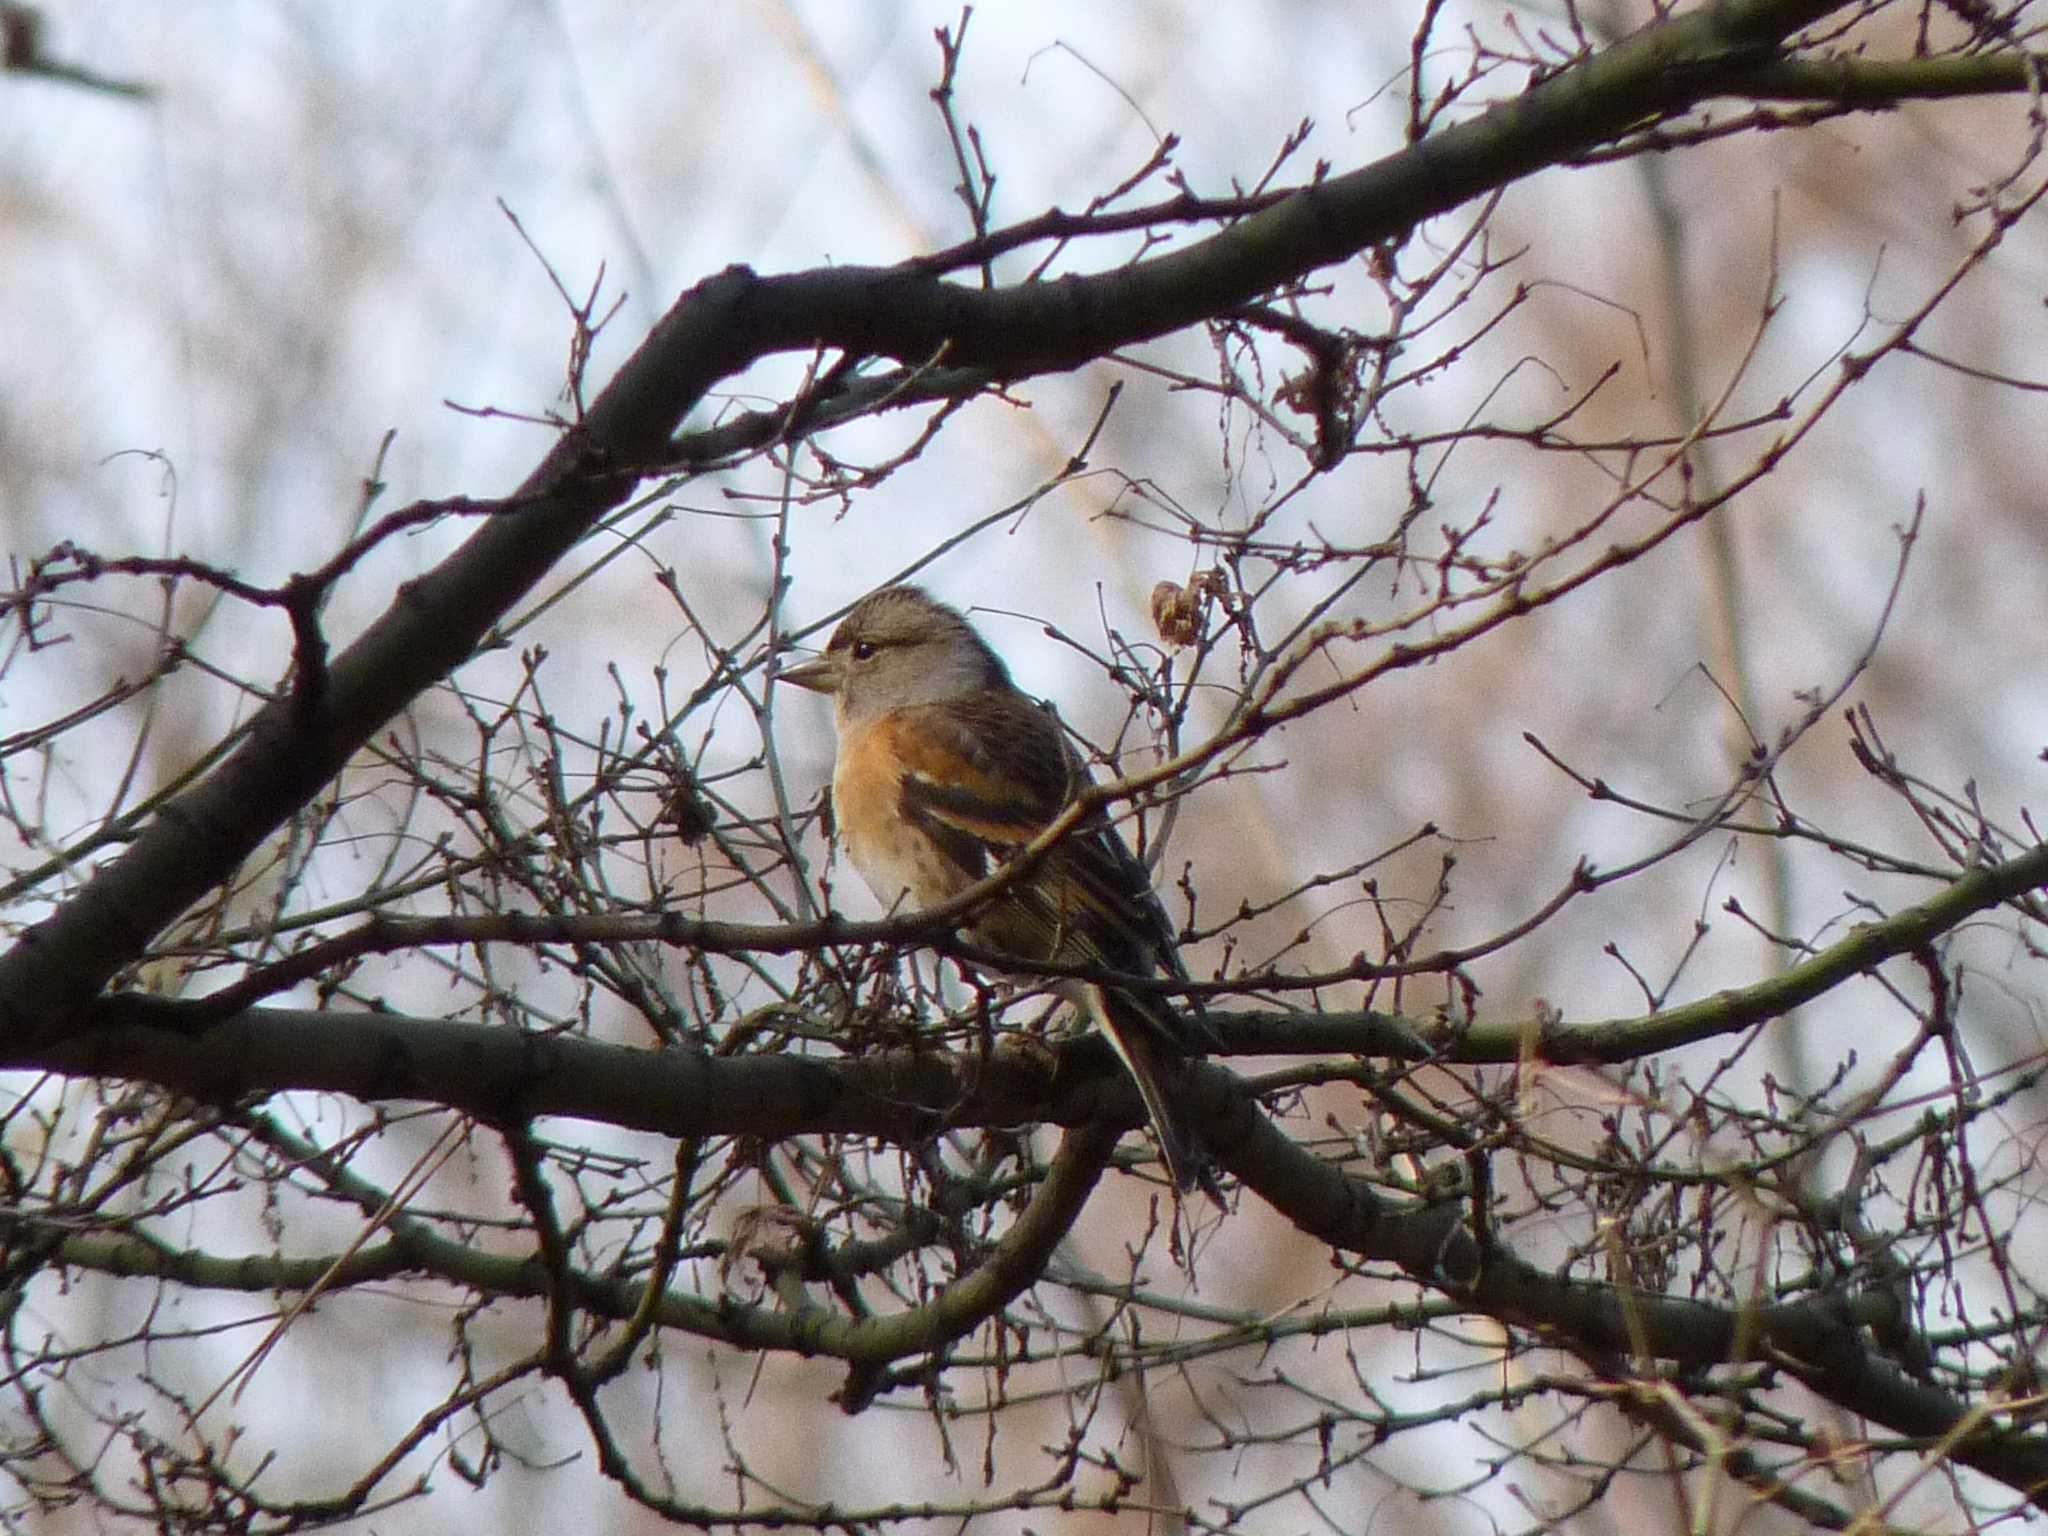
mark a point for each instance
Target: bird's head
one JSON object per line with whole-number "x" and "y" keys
{"x": 899, "y": 646}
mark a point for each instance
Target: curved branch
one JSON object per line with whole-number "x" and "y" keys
{"x": 1011, "y": 1266}
{"x": 1823, "y": 1341}
{"x": 1017, "y": 1262}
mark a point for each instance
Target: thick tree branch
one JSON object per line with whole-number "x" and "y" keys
{"x": 1856, "y": 82}
{"x": 1823, "y": 1341}
{"x": 1245, "y": 1032}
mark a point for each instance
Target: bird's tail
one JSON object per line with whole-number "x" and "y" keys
{"x": 1134, "y": 1038}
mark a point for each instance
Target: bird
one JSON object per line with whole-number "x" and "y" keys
{"x": 945, "y": 769}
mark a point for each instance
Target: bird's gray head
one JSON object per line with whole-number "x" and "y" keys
{"x": 900, "y": 646}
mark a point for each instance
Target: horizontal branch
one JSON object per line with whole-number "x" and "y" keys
{"x": 503, "y": 1075}
{"x": 1823, "y": 1340}
{"x": 1866, "y": 946}
{"x": 497, "y": 1073}
{"x": 1861, "y": 82}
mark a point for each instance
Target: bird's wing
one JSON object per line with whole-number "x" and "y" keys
{"x": 983, "y": 777}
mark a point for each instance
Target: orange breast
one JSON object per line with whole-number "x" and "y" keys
{"x": 893, "y": 855}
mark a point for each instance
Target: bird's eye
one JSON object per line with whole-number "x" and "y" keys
{"x": 863, "y": 650}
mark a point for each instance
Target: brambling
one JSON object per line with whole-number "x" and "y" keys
{"x": 945, "y": 768}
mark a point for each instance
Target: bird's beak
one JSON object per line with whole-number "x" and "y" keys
{"x": 820, "y": 675}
